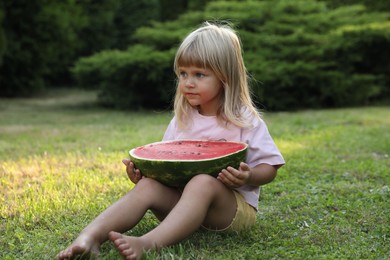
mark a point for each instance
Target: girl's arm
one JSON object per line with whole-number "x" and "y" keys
{"x": 256, "y": 176}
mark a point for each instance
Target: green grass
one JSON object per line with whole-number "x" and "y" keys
{"x": 60, "y": 166}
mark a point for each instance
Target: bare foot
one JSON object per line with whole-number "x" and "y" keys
{"x": 131, "y": 248}
{"x": 83, "y": 246}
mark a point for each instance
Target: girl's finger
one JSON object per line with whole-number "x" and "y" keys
{"x": 228, "y": 178}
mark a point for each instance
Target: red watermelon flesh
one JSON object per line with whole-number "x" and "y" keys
{"x": 188, "y": 150}
{"x": 174, "y": 163}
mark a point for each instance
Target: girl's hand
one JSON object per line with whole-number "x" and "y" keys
{"x": 234, "y": 178}
{"x": 133, "y": 173}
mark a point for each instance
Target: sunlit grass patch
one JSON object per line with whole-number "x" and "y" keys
{"x": 39, "y": 185}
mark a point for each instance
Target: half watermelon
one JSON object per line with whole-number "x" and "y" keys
{"x": 174, "y": 163}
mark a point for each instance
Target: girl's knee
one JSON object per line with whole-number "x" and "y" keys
{"x": 145, "y": 182}
{"x": 148, "y": 184}
{"x": 203, "y": 180}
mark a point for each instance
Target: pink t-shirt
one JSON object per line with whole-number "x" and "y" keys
{"x": 261, "y": 147}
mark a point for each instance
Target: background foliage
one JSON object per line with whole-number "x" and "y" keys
{"x": 301, "y": 54}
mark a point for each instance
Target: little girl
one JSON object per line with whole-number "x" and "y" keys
{"x": 212, "y": 102}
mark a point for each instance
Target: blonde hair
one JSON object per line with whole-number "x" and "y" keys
{"x": 216, "y": 47}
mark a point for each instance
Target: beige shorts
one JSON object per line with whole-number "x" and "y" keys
{"x": 245, "y": 216}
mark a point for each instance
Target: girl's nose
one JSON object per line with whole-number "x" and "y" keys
{"x": 189, "y": 83}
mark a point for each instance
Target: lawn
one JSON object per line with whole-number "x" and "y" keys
{"x": 60, "y": 166}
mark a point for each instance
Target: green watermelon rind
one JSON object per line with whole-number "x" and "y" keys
{"x": 178, "y": 173}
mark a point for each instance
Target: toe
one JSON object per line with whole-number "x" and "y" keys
{"x": 67, "y": 253}
{"x": 114, "y": 235}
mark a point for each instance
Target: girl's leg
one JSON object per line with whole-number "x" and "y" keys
{"x": 123, "y": 215}
{"x": 205, "y": 200}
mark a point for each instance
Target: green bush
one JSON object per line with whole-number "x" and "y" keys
{"x": 361, "y": 52}
{"x": 110, "y": 24}
{"x": 135, "y": 78}
{"x": 44, "y": 38}
{"x": 2, "y": 38}
{"x": 41, "y": 42}
{"x": 378, "y": 5}
{"x": 293, "y": 53}
{"x": 300, "y": 54}
{"x": 300, "y": 61}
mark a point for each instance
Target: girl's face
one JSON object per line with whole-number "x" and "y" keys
{"x": 201, "y": 88}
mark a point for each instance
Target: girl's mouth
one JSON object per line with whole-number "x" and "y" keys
{"x": 190, "y": 94}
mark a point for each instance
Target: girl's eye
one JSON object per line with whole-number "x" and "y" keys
{"x": 199, "y": 75}
{"x": 182, "y": 74}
